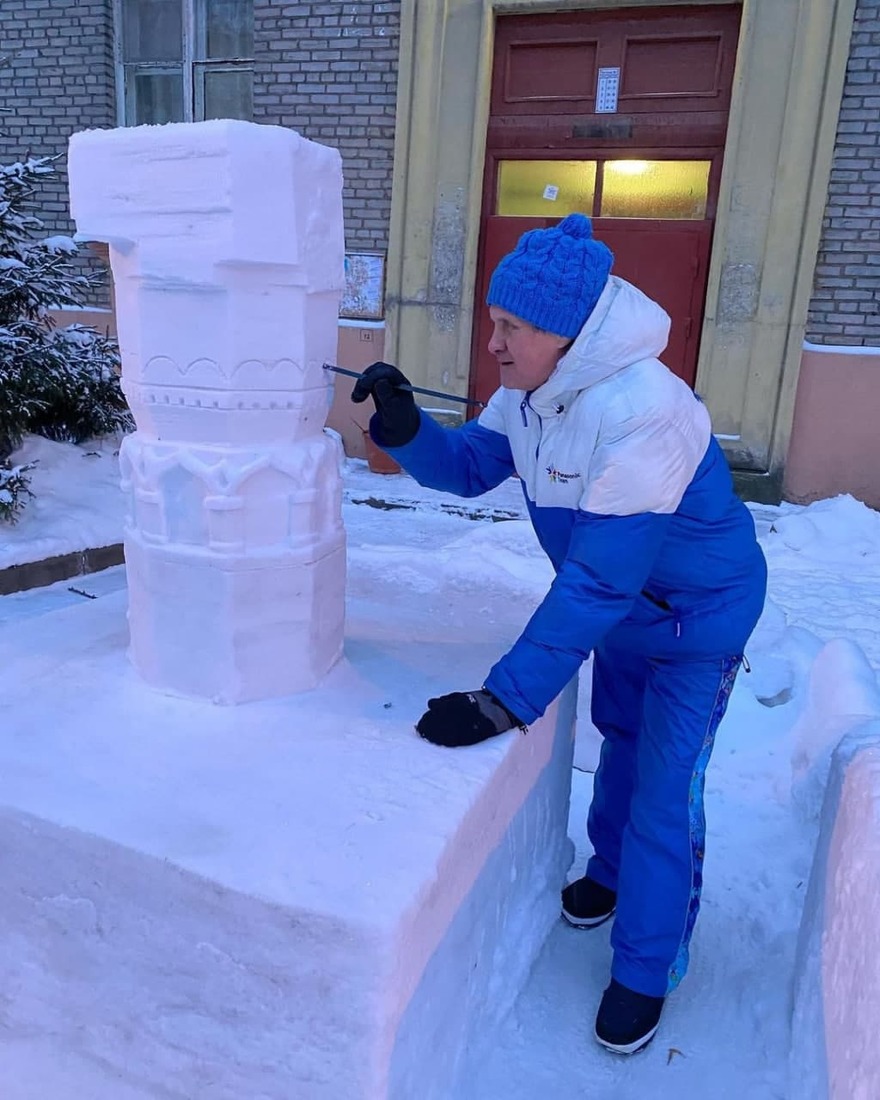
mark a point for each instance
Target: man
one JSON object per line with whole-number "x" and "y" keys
{"x": 658, "y": 573}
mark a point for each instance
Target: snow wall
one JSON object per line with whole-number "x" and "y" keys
{"x": 835, "y": 1054}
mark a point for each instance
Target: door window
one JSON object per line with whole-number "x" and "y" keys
{"x": 675, "y": 190}
{"x": 656, "y": 189}
{"x": 545, "y": 188}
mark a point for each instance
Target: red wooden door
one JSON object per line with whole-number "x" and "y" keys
{"x": 674, "y": 69}
{"x": 667, "y": 260}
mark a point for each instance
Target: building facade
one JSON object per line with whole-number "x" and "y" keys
{"x": 328, "y": 70}
{"x": 728, "y": 151}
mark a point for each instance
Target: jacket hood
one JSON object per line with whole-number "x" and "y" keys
{"x": 625, "y": 327}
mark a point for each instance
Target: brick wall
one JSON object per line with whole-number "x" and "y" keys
{"x": 326, "y": 69}
{"x": 329, "y": 70}
{"x": 58, "y": 78}
{"x": 846, "y": 295}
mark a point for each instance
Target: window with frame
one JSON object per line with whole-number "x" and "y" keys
{"x": 185, "y": 60}
{"x": 605, "y": 188}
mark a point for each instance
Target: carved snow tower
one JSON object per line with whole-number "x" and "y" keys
{"x": 226, "y": 245}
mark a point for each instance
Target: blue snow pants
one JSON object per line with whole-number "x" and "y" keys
{"x": 658, "y": 719}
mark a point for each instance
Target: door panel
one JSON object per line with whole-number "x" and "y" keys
{"x": 669, "y": 261}
{"x": 500, "y": 237}
{"x": 550, "y": 70}
{"x": 670, "y": 60}
{"x": 672, "y": 67}
{"x": 666, "y": 260}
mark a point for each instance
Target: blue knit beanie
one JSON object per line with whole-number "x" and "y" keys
{"x": 554, "y": 277}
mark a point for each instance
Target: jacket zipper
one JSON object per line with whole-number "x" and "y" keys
{"x": 523, "y": 405}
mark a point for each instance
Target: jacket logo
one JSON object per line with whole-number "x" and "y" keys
{"x": 558, "y": 476}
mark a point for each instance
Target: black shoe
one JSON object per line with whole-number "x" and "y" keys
{"x": 627, "y": 1021}
{"x": 586, "y": 904}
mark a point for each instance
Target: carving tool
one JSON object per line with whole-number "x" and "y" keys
{"x": 413, "y": 389}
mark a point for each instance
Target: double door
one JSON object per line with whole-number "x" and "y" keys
{"x": 621, "y": 116}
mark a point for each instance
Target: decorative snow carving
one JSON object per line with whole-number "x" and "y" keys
{"x": 226, "y": 245}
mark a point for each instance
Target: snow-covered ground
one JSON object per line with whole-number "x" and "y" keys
{"x": 77, "y": 502}
{"x": 814, "y": 658}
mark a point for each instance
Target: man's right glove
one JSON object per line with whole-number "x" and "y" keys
{"x": 396, "y": 409}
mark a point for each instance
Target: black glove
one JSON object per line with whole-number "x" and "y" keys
{"x": 396, "y": 409}
{"x": 465, "y": 718}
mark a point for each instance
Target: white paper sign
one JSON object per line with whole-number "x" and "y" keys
{"x": 607, "y": 91}
{"x": 551, "y": 192}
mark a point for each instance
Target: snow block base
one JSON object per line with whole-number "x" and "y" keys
{"x": 835, "y": 1054}
{"x": 292, "y": 898}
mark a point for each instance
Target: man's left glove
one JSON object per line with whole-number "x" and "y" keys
{"x": 465, "y": 718}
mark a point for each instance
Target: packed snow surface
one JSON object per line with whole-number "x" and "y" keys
{"x": 814, "y": 658}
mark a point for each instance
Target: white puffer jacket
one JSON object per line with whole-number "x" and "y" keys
{"x": 612, "y": 431}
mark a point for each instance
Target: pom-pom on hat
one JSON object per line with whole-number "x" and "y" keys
{"x": 554, "y": 277}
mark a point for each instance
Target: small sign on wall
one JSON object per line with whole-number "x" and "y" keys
{"x": 364, "y": 296}
{"x": 607, "y": 91}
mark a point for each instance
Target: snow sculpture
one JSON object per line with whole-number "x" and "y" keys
{"x": 226, "y": 244}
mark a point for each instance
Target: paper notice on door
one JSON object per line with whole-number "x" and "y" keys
{"x": 607, "y": 91}
{"x": 551, "y": 192}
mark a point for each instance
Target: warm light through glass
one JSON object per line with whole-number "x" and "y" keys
{"x": 628, "y": 167}
{"x": 675, "y": 189}
{"x": 545, "y": 188}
